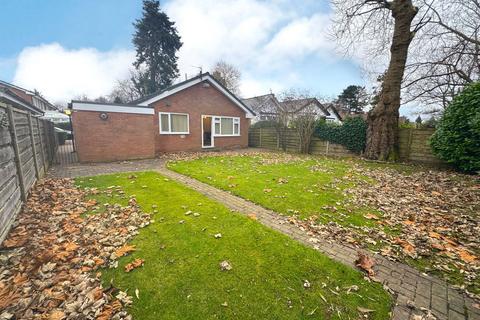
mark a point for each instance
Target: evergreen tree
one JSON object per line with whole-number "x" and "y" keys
{"x": 353, "y": 99}
{"x": 156, "y": 41}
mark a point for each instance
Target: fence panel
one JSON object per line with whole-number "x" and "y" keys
{"x": 413, "y": 144}
{"x": 27, "y": 146}
{"x": 268, "y": 138}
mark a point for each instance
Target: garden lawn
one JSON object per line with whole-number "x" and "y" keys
{"x": 181, "y": 277}
{"x": 303, "y": 186}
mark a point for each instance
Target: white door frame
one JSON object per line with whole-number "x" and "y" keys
{"x": 211, "y": 130}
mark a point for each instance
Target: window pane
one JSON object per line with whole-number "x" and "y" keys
{"x": 179, "y": 122}
{"x": 164, "y": 122}
{"x": 217, "y": 127}
{"x": 227, "y": 126}
{"x": 235, "y": 128}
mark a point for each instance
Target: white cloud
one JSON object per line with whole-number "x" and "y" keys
{"x": 61, "y": 74}
{"x": 251, "y": 87}
{"x": 266, "y": 40}
{"x": 299, "y": 38}
{"x": 259, "y": 37}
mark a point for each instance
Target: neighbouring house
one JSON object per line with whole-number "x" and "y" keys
{"x": 25, "y": 99}
{"x": 192, "y": 115}
{"x": 267, "y": 107}
{"x": 334, "y": 114}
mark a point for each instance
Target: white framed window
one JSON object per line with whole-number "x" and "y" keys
{"x": 173, "y": 123}
{"x": 226, "y": 126}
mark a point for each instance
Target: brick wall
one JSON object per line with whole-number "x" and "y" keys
{"x": 122, "y": 136}
{"x": 198, "y": 100}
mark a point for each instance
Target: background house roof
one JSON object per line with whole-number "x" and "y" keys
{"x": 26, "y": 95}
{"x": 266, "y": 103}
{"x": 297, "y": 105}
{"x": 10, "y": 97}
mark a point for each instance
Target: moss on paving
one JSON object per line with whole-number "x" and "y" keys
{"x": 181, "y": 278}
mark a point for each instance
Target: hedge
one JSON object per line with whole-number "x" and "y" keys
{"x": 352, "y": 133}
{"x": 457, "y": 139}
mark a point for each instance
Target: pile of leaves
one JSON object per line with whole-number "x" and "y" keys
{"x": 49, "y": 260}
{"x": 429, "y": 216}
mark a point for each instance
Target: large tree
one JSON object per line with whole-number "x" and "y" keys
{"x": 228, "y": 75}
{"x": 445, "y": 53}
{"x": 156, "y": 41}
{"x": 353, "y": 99}
{"x": 360, "y": 19}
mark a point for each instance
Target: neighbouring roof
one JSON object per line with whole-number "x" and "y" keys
{"x": 297, "y": 105}
{"x": 10, "y": 97}
{"x": 25, "y": 93}
{"x": 331, "y": 107}
{"x": 204, "y": 77}
{"x": 266, "y": 103}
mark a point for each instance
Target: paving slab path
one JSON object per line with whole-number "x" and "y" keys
{"x": 414, "y": 292}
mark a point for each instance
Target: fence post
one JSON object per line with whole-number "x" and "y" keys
{"x": 41, "y": 146}
{"x": 13, "y": 134}
{"x": 34, "y": 147}
{"x": 260, "y": 139}
{"x": 327, "y": 147}
{"x": 410, "y": 139}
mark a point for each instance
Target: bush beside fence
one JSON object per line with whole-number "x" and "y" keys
{"x": 413, "y": 144}
{"x": 27, "y": 148}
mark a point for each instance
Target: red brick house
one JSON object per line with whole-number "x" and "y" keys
{"x": 194, "y": 115}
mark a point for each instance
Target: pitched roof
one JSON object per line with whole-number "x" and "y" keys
{"x": 11, "y": 97}
{"x": 204, "y": 77}
{"x": 331, "y": 107}
{"x": 24, "y": 93}
{"x": 297, "y": 105}
{"x": 266, "y": 103}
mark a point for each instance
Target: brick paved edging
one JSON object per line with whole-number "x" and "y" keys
{"x": 413, "y": 290}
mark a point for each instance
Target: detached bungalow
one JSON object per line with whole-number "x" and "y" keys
{"x": 192, "y": 115}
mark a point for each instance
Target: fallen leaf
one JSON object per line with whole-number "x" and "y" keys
{"x": 135, "y": 264}
{"x": 365, "y": 310}
{"x": 365, "y": 263}
{"x": 466, "y": 256}
{"x": 124, "y": 250}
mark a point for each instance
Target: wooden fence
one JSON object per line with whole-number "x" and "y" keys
{"x": 27, "y": 148}
{"x": 269, "y": 139}
{"x": 413, "y": 144}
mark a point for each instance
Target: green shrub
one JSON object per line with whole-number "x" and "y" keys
{"x": 352, "y": 133}
{"x": 457, "y": 139}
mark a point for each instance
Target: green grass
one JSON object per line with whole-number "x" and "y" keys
{"x": 308, "y": 192}
{"x": 181, "y": 278}
{"x": 313, "y": 188}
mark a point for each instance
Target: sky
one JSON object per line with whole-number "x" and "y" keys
{"x": 71, "y": 48}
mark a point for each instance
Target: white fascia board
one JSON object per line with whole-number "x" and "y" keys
{"x": 81, "y": 106}
{"x": 194, "y": 82}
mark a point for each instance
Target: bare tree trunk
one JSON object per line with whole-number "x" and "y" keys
{"x": 383, "y": 118}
